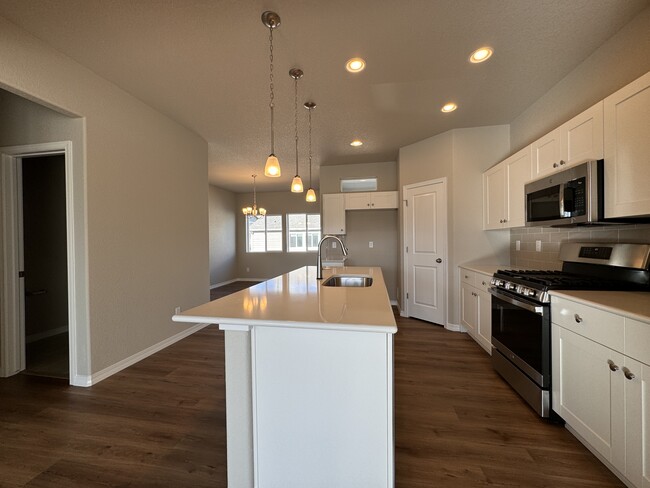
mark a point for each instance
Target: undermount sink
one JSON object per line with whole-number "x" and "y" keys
{"x": 348, "y": 281}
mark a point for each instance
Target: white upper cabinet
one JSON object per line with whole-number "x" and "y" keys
{"x": 627, "y": 150}
{"x": 503, "y": 191}
{"x": 578, "y": 139}
{"x": 582, "y": 136}
{"x": 546, "y": 153}
{"x": 334, "y": 213}
{"x": 371, "y": 200}
{"x": 519, "y": 170}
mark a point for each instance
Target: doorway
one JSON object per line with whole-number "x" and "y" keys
{"x": 39, "y": 273}
{"x": 45, "y": 280}
{"x": 425, "y": 250}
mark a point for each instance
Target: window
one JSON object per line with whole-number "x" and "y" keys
{"x": 303, "y": 232}
{"x": 358, "y": 184}
{"x": 264, "y": 234}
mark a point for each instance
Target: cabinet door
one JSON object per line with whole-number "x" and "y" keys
{"x": 469, "y": 308}
{"x": 383, "y": 199}
{"x": 637, "y": 423}
{"x": 518, "y": 169}
{"x": 588, "y": 392}
{"x": 627, "y": 150}
{"x": 494, "y": 201}
{"x": 334, "y": 213}
{"x": 484, "y": 326}
{"x": 582, "y": 136}
{"x": 547, "y": 154}
{"x": 357, "y": 201}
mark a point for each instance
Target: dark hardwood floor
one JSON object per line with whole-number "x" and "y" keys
{"x": 161, "y": 423}
{"x": 224, "y": 290}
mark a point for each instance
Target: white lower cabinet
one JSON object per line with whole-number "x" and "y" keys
{"x": 476, "y": 307}
{"x": 602, "y": 392}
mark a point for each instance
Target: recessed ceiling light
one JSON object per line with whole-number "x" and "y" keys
{"x": 480, "y": 55}
{"x": 356, "y": 143}
{"x": 355, "y": 65}
{"x": 449, "y": 107}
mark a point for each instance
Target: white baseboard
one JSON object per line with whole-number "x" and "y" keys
{"x": 223, "y": 283}
{"x": 43, "y": 335}
{"x": 394, "y": 303}
{"x": 455, "y": 327}
{"x": 85, "y": 380}
{"x": 402, "y": 313}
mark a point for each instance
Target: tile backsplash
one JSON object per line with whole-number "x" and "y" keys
{"x": 551, "y": 237}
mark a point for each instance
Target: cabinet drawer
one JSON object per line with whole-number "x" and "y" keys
{"x": 637, "y": 340}
{"x": 603, "y": 327}
{"x": 467, "y": 276}
{"x": 482, "y": 282}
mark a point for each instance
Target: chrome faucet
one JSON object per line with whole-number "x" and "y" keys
{"x": 319, "y": 265}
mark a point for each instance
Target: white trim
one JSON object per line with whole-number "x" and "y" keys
{"x": 455, "y": 327}
{"x": 223, "y": 283}
{"x": 83, "y": 380}
{"x": 44, "y": 335}
{"x": 402, "y": 313}
{"x": 411, "y": 186}
{"x": 394, "y": 303}
{"x": 13, "y": 298}
{"x": 235, "y": 327}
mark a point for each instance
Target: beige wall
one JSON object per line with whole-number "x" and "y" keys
{"x": 223, "y": 212}
{"x": 362, "y": 226}
{"x": 461, "y": 156}
{"x": 141, "y": 182}
{"x": 620, "y": 60}
{"x": 386, "y": 174}
{"x": 268, "y": 265}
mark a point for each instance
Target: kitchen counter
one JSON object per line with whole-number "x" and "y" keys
{"x": 309, "y": 380}
{"x": 634, "y": 305}
{"x": 298, "y": 299}
{"x": 486, "y": 269}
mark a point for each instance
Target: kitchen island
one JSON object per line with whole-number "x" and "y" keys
{"x": 309, "y": 381}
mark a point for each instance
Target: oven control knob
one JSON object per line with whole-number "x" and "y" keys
{"x": 531, "y": 293}
{"x": 511, "y": 286}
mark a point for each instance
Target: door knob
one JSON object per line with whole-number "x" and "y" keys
{"x": 438, "y": 260}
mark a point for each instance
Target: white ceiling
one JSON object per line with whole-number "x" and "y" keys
{"x": 205, "y": 64}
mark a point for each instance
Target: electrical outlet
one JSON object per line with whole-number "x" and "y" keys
{"x": 177, "y": 310}
{"x": 333, "y": 245}
{"x": 517, "y": 245}
{"x": 248, "y": 270}
{"x": 538, "y": 246}
{"x": 371, "y": 244}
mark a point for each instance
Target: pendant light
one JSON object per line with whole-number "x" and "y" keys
{"x": 311, "y": 194}
{"x": 296, "y": 74}
{"x": 254, "y": 211}
{"x": 272, "y": 167}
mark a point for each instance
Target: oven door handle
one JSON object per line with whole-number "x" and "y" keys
{"x": 518, "y": 303}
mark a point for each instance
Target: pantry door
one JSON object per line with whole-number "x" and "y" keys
{"x": 425, "y": 250}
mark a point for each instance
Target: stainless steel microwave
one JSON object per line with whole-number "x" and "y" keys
{"x": 570, "y": 197}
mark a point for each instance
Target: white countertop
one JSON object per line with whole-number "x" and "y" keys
{"x": 298, "y": 299}
{"x": 486, "y": 269}
{"x": 635, "y": 305}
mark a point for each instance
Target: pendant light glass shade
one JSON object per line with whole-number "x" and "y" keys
{"x": 296, "y": 185}
{"x": 272, "y": 167}
{"x": 311, "y": 195}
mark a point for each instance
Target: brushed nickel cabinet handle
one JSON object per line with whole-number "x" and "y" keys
{"x": 483, "y": 283}
{"x": 440, "y": 261}
{"x": 612, "y": 365}
{"x": 562, "y": 162}
{"x": 555, "y": 165}
{"x": 578, "y": 318}
{"x": 628, "y": 374}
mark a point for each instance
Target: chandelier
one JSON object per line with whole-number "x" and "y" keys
{"x": 254, "y": 211}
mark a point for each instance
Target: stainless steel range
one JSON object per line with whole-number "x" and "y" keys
{"x": 521, "y": 315}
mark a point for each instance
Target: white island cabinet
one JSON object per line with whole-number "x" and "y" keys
{"x": 309, "y": 381}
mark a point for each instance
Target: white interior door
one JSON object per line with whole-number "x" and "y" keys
{"x": 425, "y": 257}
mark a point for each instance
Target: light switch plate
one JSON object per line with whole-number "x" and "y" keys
{"x": 371, "y": 244}
{"x": 517, "y": 245}
{"x": 538, "y": 246}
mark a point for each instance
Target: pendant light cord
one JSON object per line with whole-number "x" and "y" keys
{"x": 310, "y": 148}
{"x": 295, "y": 110}
{"x": 271, "y": 87}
